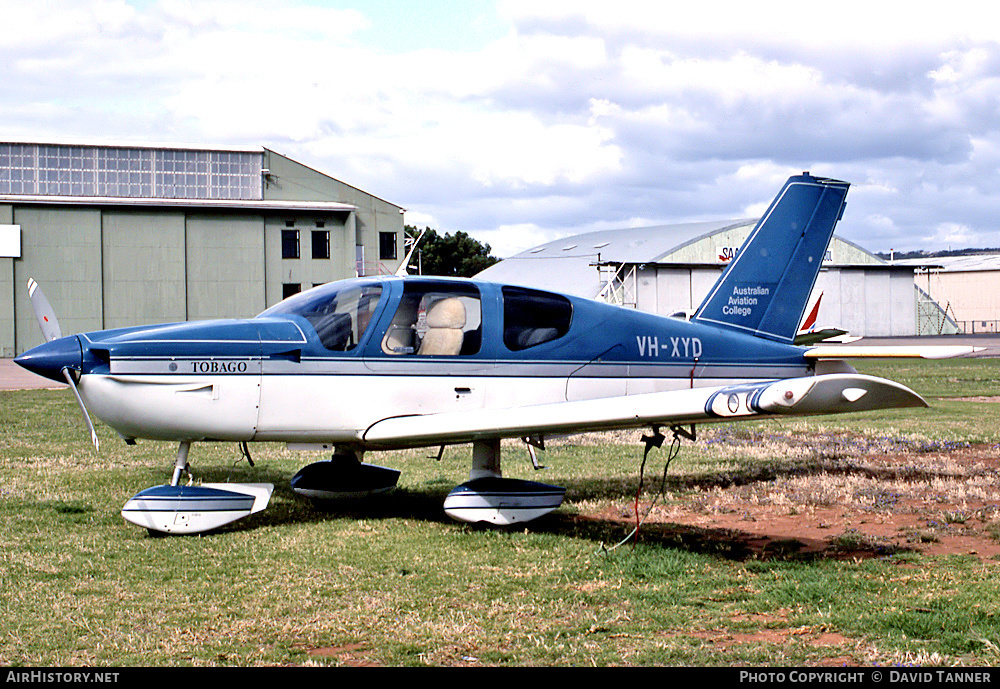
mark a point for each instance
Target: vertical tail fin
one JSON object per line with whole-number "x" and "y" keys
{"x": 810, "y": 322}
{"x": 765, "y": 288}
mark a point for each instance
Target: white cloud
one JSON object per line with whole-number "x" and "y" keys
{"x": 953, "y": 235}
{"x": 508, "y": 240}
{"x": 420, "y": 220}
{"x": 849, "y": 23}
{"x": 585, "y": 114}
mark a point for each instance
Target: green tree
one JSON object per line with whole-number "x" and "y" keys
{"x": 457, "y": 255}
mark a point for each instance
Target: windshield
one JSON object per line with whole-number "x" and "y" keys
{"x": 340, "y": 316}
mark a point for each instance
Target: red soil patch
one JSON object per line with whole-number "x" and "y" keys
{"x": 742, "y": 525}
{"x": 351, "y": 655}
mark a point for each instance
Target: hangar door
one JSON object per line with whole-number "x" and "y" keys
{"x": 225, "y": 266}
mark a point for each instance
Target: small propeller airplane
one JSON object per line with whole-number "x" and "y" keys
{"x": 385, "y": 363}
{"x": 808, "y": 334}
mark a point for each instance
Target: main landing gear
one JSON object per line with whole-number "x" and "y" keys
{"x": 343, "y": 476}
{"x": 485, "y": 497}
{"x": 488, "y": 497}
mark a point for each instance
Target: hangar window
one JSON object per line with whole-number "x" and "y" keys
{"x": 531, "y": 318}
{"x": 435, "y": 319}
{"x": 340, "y": 316}
{"x": 183, "y": 174}
{"x": 386, "y": 245}
{"x": 289, "y": 243}
{"x": 321, "y": 244}
{"x": 120, "y": 171}
{"x": 290, "y": 289}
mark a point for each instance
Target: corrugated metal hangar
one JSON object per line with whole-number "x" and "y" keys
{"x": 967, "y": 288}
{"x": 670, "y": 268}
{"x": 122, "y": 235}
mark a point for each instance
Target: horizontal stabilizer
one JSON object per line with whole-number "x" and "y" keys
{"x": 890, "y": 352}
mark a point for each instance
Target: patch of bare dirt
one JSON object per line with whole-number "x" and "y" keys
{"x": 350, "y": 655}
{"x": 723, "y": 639}
{"x": 773, "y": 630}
{"x": 856, "y": 502}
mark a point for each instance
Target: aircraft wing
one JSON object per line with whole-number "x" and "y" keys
{"x": 824, "y": 394}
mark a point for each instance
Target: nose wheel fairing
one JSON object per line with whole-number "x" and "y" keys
{"x": 194, "y": 509}
{"x": 179, "y": 509}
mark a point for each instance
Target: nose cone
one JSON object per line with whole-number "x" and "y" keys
{"x": 51, "y": 358}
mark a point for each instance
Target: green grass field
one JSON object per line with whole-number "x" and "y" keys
{"x": 395, "y": 582}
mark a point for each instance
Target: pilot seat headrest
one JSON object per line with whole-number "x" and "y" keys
{"x": 446, "y": 313}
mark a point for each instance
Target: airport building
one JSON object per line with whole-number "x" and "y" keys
{"x": 966, "y": 287}
{"x": 121, "y": 235}
{"x": 669, "y": 270}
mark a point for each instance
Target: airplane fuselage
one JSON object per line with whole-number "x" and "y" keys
{"x": 273, "y": 378}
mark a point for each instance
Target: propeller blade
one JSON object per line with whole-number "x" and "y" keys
{"x": 49, "y": 325}
{"x": 68, "y": 375}
{"x": 47, "y": 320}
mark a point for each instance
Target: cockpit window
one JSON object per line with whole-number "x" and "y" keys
{"x": 436, "y": 320}
{"x": 531, "y": 318}
{"x": 340, "y": 317}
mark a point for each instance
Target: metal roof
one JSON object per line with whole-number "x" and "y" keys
{"x": 235, "y": 204}
{"x": 567, "y": 265}
{"x": 954, "y": 264}
{"x": 635, "y": 244}
{"x": 122, "y": 143}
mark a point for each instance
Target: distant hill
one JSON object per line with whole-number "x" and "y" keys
{"x": 901, "y": 255}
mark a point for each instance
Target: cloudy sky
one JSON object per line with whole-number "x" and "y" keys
{"x": 524, "y": 120}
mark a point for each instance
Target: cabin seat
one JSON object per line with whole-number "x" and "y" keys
{"x": 400, "y": 337}
{"x": 445, "y": 324}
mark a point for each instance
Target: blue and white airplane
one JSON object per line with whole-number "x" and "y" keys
{"x": 399, "y": 362}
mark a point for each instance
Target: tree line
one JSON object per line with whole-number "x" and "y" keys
{"x": 452, "y": 255}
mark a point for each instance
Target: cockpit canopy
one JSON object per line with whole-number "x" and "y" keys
{"x": 340, "y": 313}
{"x": 433, "y": 317}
